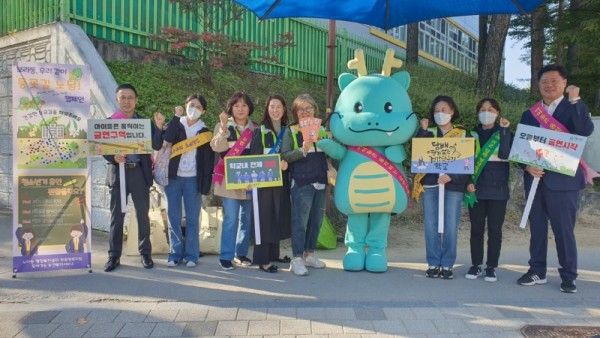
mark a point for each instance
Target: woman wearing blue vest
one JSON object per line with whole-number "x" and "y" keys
{"x": 441, "y": 248}
{"x": 190, "y": 175}
{"x": 308, "y": 170}
{"x": 488, "y": 194}
{"x": 273, "y": 203}
{"x": 232, "y": 137}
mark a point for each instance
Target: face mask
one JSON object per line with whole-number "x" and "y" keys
{"x": 442, "y": 118}
{"x": 487, "y": 117}
{"x": 193, "y": 113}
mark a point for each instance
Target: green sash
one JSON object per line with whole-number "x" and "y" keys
{"x": 481, "y": 160}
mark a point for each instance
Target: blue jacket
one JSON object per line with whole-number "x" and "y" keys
{"x": 576, "y": 118}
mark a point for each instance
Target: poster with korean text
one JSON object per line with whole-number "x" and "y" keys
{"x": 547, "y": 149}
{"x": 120, "y": 136}
{"x": 51, "y": 105}
{"x": 443, "y": 155}
{"x": 51, "y": 218}
{"x": 257, "y": 171}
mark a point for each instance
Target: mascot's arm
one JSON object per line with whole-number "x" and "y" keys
{"x": 332, "y": 148}
{"x": 396, "y": 153}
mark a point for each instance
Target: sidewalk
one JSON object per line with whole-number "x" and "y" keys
{"x": 207, "y": 301}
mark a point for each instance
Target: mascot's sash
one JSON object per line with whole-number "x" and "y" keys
{"x": 383, "y": 162}
{"x": 549, "y": 122}
{"x": 235, "y": 150}
{"x": 481, "y": 160}
{"x": 417, "y": 186}
{"x": 191, "y": 143}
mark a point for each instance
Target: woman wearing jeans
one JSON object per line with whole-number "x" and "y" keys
{"x": 232, "y": 136}
{"x": 441, "y": 248}
{"x": 190, "y": 176}
{"x": 308, "y": 170}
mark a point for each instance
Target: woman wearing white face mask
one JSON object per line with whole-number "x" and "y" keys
{"x": 488, "y": 194}
{"x": 440, "y": 249}
{"x": 190, "y": 176}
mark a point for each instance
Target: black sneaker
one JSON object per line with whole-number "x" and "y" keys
{"x": 433, "y": 272}
{"x": 568, "y": 285}
{"x": 446, "y": 273}
{"x": 474, "y": 272}
{"x": 225, "y": 264}
{"x": 242, "y": 260}
{"x": 532, "y": 278}
{"x": 490, "y": 274}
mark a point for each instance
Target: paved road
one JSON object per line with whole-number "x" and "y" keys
{"x": 207, "y": 301}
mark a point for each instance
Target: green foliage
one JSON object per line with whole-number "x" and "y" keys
{"x": 428, "y": 82}
{"x": 162, "y": 87}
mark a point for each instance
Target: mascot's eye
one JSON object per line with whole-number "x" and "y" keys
{"x": 358, "y": 107}
{"x": 387, "y": 107}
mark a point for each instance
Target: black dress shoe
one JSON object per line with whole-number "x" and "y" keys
{"x": 112, "y": 264}
{"x": 147, "y": 262}
{"x": 270, "y": 268}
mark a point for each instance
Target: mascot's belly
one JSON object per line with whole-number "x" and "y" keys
{"x": 371, "y": 189}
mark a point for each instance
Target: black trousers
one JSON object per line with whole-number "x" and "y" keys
{"x": 560, "y": 208}
{"x": 493, "y": 211}
{"x": 140, "y": 194}
{"x": 265, "y": 253}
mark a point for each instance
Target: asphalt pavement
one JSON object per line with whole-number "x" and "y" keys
{"x": 207, "y": 301}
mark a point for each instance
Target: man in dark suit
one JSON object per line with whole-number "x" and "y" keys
{"x": 138, "y": 179}
{"x": 557, "y": 195}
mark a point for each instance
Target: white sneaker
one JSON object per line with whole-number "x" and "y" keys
{"x": 190, "y": 264}
{"x": 297, "y": 266}
{"x": 171, "y": 264}
{"x": 313, "y": 262}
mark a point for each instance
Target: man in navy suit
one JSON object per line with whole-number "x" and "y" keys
{"x": 557, "y": 195}
{"x": 138, "y": 173}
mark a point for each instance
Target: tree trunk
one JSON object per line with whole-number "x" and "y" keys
{"x": 412, "y": 44}
{"x": 494, "y": 47}
{"x": 572, "y": 59}
{"x": 483, "y": 37}
{"x": 559, "y": 43}
{"x": 538, "y": 42}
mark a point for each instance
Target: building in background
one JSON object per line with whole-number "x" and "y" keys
{"x": 448, "y": 42}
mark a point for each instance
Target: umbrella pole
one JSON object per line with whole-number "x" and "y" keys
{"x": 330, "y": 74}
{"x": 330, "y": 66}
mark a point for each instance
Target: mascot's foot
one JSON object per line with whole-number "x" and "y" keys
{"x": 376, "y": 260}
{"x": 354, "y": 259}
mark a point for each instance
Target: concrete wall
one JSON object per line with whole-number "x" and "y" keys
{"x": 59, "y": 43}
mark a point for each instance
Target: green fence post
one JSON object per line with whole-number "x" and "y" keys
{"x": 64, "y": 10}
{"x": 286, "y": 52}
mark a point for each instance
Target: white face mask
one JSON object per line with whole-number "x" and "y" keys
{"x": 193, "y": 113}
{"x": 441, "y": 118}
{"x": 487, "y": 117}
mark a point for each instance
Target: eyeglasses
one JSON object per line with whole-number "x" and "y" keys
{"x": 552, "y": 82}
{"x": 308, "y": 109}
{"x": 127, "y": 98}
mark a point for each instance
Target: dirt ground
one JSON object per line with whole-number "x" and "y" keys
{"x": 587, "y": 234}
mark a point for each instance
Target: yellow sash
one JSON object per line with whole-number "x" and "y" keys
{"x": 191, "y": 143}
{"x": 417, "y": 186}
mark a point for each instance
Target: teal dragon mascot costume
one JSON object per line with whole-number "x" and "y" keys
{"x": 372, "y": 120}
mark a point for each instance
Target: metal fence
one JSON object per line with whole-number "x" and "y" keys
{"x": 133, "y": 22}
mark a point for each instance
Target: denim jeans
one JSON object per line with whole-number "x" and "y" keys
{"x": 440, "y": 249}
{"x": 308, "y": 208}
{"x": 186, "y": 188}
{"x": 235, "y": 231}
